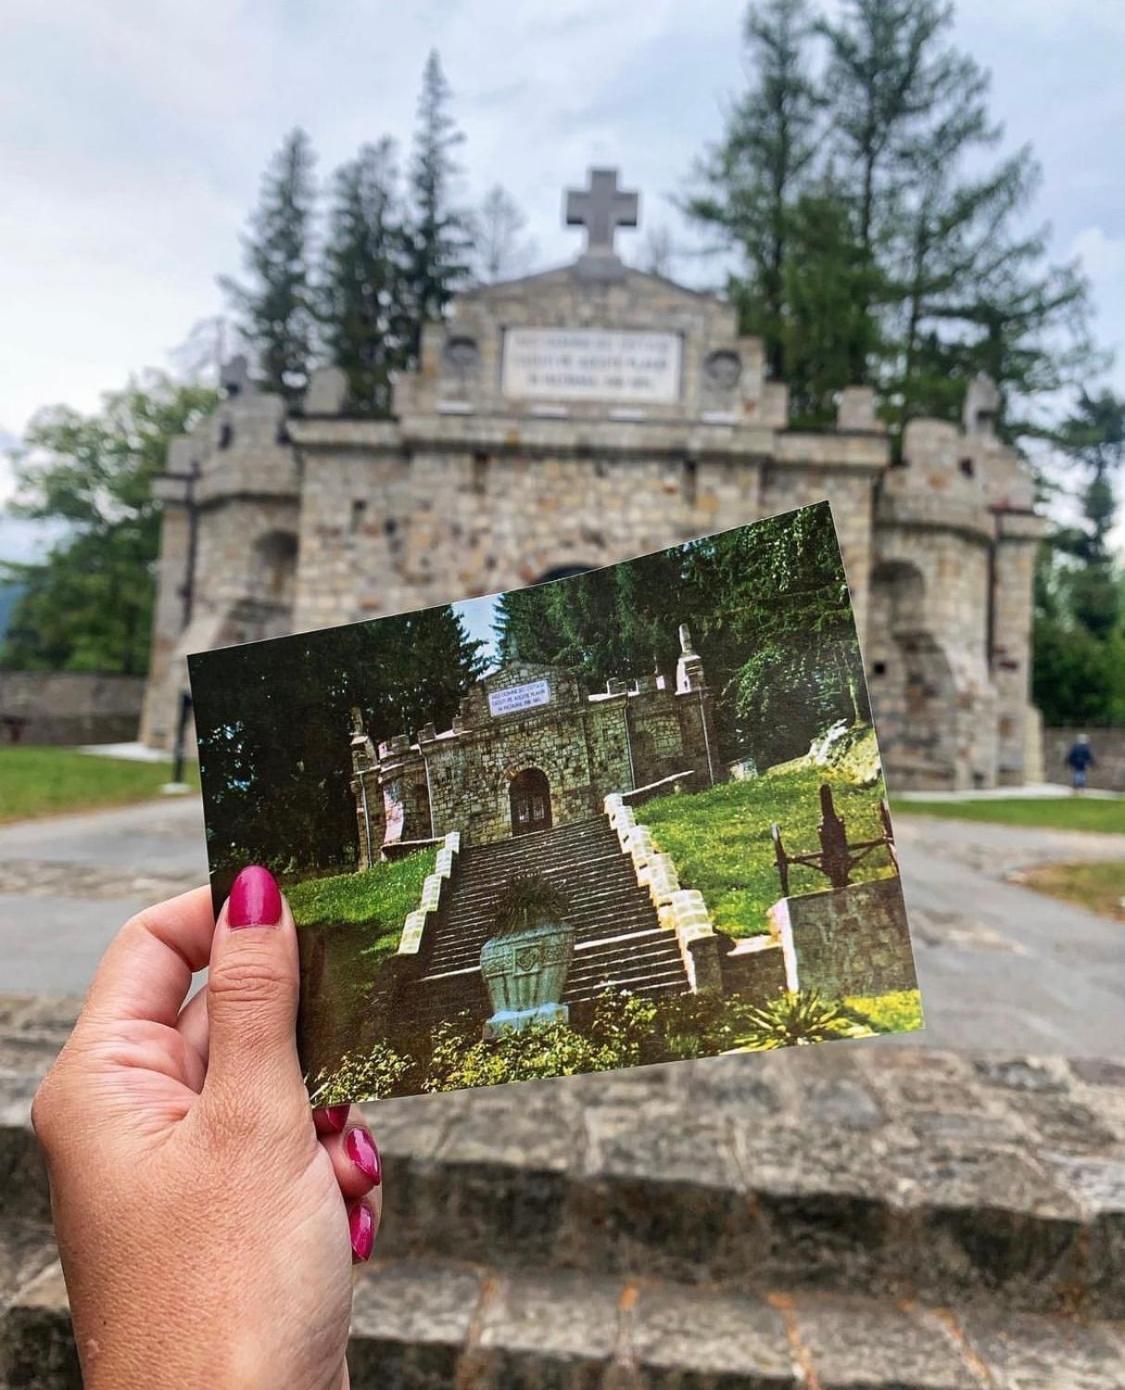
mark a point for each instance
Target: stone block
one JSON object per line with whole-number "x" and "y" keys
{"x": 686, "y": 1338}
{"x": 846, "y": 941}
{"x": 852, "y": 1342}
{"x": 413, "y": 929}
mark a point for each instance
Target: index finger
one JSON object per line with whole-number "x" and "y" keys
{"x": 147, "y": 969}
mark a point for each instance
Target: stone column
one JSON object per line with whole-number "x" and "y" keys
{"x": 167, "y": 676}
{"x": 1018, "y": 534}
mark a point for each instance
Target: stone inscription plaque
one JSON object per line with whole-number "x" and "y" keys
{"x": 519, "y": 697}
{"x": 591, "y": 364}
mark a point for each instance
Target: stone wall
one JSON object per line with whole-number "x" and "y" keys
{"x": 846, "y": 941}
{"x": 1107, "y": 774}
{"x": 61, "y": 707}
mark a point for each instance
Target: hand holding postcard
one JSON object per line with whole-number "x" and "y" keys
{"x": 634, "y": 815}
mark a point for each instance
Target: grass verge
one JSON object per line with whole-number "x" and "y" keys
{"x": 1047, "y": 813}
{"x": 48, "y": 781}
{"x": 1098, "y": 887}
{"x": 720, "y": 841}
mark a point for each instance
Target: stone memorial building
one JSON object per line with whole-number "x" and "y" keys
{"x": 581, "y": 416}
{"x": 529, "y": 749}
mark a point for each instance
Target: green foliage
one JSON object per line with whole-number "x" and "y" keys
{"x": 771, "y": 618}
{"x": 88, "y": 605}
{"x": 273, "y": 735}
{"x": 439, "y": 243}
{"x": 793, "y": 1019}
{"x": 736, "y": 871}
{"x": 363, "y": 293}
{"x": 527, "y": 899}
{"x": 897, "y": 1012}
{"x": 44, "y": 781}
{"x": 880, "y": 239}
{"x": 1049, "y": 812}
{"x": 380, "y": 896}
{"x": 372, "y": 1074}
{"x": 276, "y": 309}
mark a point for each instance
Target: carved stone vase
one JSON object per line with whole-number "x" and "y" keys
{"x": 525, "y": 973}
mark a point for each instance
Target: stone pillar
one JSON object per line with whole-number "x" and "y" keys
{"x": 1010, "y": 629}
{"x": 167, "y": 675}
{"x": 368, "y": 796}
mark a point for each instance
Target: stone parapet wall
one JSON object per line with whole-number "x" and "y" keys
{"x": 60, "y": 707}
{"x": 1107, "y": 774}
{"x": 846, "y": 941}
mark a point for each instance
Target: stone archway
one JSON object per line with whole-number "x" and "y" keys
{"x": 529, "y": 798}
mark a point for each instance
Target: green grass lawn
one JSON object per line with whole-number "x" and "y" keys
{"x": 45, "y": 781}
{"x": 1048, "y": 813}
{"x": 348, "y": 925}
{"x": 720, "y": 840}
{"x": 1098, "y": 887}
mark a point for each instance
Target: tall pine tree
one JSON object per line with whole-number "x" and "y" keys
{"x": 439, "y": 231}
{"x": 367, "y": 327}
{"x": 753, "y": 176}
{"x": 275, "y": 308}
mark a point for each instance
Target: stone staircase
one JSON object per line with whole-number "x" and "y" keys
{"x": 619, "y": 941}
{"x": 872, "y": 1215}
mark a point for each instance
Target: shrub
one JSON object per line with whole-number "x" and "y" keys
{"x": 793, "y": 1019}
{"x": 371, "y": 1075}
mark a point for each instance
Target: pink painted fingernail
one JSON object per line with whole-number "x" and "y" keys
{"x": 331, "y": 1119}
{"x": 362, "y": 1151}
{"x": 255, "y": 899}
{"x": 361, "y": 1225}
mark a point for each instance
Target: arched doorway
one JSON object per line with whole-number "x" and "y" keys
{"x": 530, "y": 798}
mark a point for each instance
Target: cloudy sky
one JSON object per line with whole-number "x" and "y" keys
{"x": 132, "y": 138}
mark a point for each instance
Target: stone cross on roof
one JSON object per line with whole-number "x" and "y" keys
{"x": 601, "y": 209}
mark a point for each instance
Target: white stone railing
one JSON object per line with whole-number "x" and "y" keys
{"x": 433, "y": 889}
{"x": 678, "y": 909}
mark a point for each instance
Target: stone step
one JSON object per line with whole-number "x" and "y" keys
{"x": 441, "y": 1323}
{"x": 877, "y": 1168}
{"x": 465, "y": 947}
{"x": 867, "y": 1167}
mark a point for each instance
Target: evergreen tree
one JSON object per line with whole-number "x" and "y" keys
{"x": 754, "y": 175}
{"x": 276, "y": 309}
{"x": 88, "y": 605}
{"x": 439, "y": 242}
{"x": 366, "y": 321}
{"x": 273, "y": 733}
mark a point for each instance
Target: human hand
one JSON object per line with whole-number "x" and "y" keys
{"x": 206, "y": 1219}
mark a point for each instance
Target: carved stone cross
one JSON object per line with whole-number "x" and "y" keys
{"x": 601, "y": 209}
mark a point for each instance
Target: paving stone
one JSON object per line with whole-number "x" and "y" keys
{"x": 524, "y": 1342}
{"x": 1098, "y": 1071}
{"x": 1026, "y": 1353}
{"x": 855, "y": 1345}
{"x": 36, "y": 1340}
{"x": 689, "y": 1340}
{"x": 409, "y": 1325}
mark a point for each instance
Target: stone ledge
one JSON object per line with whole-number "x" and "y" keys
{"x": 433, "y": 1324}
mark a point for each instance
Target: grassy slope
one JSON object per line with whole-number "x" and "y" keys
{"x": 378, "y": 898}
{"x": 720, "y": 840}
{"x": 44, "y": 781}
{"x": 1048, "y": 813}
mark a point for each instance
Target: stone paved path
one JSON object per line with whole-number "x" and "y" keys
{"x": 1001, "y": 967}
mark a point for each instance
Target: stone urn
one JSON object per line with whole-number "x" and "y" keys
{"x": 526, "y": 961}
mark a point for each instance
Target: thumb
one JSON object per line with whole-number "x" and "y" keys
{"x": 252, "y": 993}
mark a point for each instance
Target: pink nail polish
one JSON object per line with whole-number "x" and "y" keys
{"x": 331, "y": 1119}
{"x": 361, "y": 1224}
{"x": 360, "y": 1148}
{"x": 255, "y": 899}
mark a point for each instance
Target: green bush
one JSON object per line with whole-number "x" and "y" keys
{"x": 897, "y": 1012}
{"x": 371, "y": 1075}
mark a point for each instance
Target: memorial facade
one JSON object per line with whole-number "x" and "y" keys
{"x": 581, "y": 416}
{"x": 529, "y": 750}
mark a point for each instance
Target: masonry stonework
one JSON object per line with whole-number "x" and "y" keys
{"x": 529, "y": 750}
{"x": 576, "y": 418}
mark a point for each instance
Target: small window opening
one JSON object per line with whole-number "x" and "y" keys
{"x": 968, "y": 468}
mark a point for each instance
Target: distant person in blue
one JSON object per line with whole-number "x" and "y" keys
{"x": 1079, "y": 760}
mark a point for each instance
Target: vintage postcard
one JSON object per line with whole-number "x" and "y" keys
{"x": 631, "y": 815}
